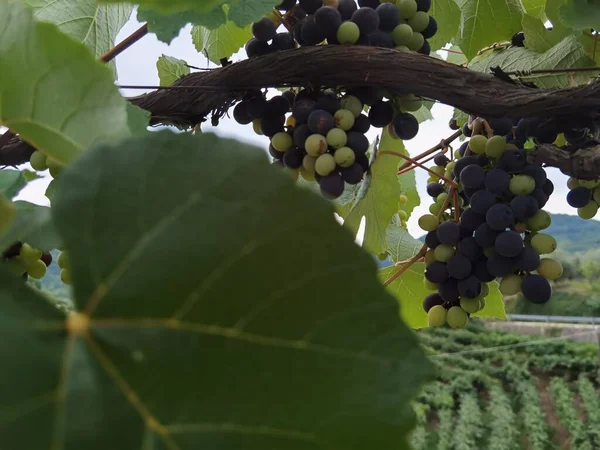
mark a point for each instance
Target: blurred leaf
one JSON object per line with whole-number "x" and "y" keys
{"x": 64, "y": 101}
{"x": 11, "y": 182}
{"x": 171, "y": 69}
{"x": 138, "y": 119}
{"x": 581, "y": 14}
{"x": 33, "y": 224}
{"x": 167, "y": 27}
{"x": 535, "y": 8}
{"x": 494, "y": 304}
{"x": 447, "y": 15}
{"x": 30, "y": 175}
{"x": 173, "y": 6}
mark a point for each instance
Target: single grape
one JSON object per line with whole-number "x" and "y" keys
{"x": 524, "y": 207}
{"x": 293, "y": 158}
{"x": 389, "y": 16}
{"x": 436, "y": 316}
{"x": 254, "y": 48}
{"x": 509, "y": 244}
{"x": 462, "y": 163}
{"x": 301, "y": 134}
{"x": 408, "y": 8}
{"x": 431, "y": 30}
{"x": 500, "y": 266}
{"x": 405, "y": 126}
{"x": 477, "y": 144}
{"x": 54, "y": 166}
{"x": 344, "y": 157}
{"x": 436, "y": 272}
{"x": 448, "y": 233}
{"x": 528, "y": 260}
{"x": 286, "y": 5}
{"x": 448, "y": 290}
{"x": 472, "y": 176}
{"x": 264, "y": 30}
{"x": 366, "y": 19}
{"x": 302, "y": 109}
{"x": 429, "y": 222}
{"x": 416, "y": 41}
{"x": 432, "y": 300}
{"x": 481, "y": 271}
{"x": 470, "y": 287}
{"x": 512, "y": 160}
{"x": 344, "y": 119}
{"x": 320, "y": 122}
{"x": 362, "y": 159}
{"x": 411, "y": 103}
{"x": 595, "y": 194}
{"x": 38, "y": 159}
{"x": 550, "y": 269}
{"x": 403, "y": 199}
{"x": 537, "y": 173}
{"x": 402, "y": 215}
{"x": 459, "y": 267}
{"x": 485, "y": 236}
{"x": 419, "y": 21}
{"x": 521, "y": 185}
{"x": 310, "y": 6}
{"x": 539, "y": 221}
{"x": 380, "y": 38}
{"x": 499, "y": 217}
{"x": 361, "y": 124}
{"x": 402, "y": 34}
{"x": 353, "y": 174}
{"x": 429, "y": 257}
{"x": 423, "y": 5}
{"x": 588, "y": 211}
{"x": 336, "y": 138}
{"x": 539, "y": 197}
{"x": 469, "y": 248}
{"x": 311, "y": 35}
{"x": 346, "y": 8}
{"x": 536, "y": 289}
{"x": 47, "y": 258}
{"x": 441, "y": 160}
{"x": 470, "y": 305}
{"x": 29, "y": 255}
{"x": 332, "y": 185}
{"x": 348, "y": 33}
{"x": 282, "y": 141}
{"x": 308, "y": 163}
{"x": 497, "y": 181}
{"x": 37, "y": 270}
{"x": 511, "y": 284}
{"x": 283, "y": 41}
{"x": 481, "y": 201}
{"x": 435, "y": 208}
{"x": 457, "y": 317}
{"x": 325, "y": 164}
{"x": 495, "y": 146}
{"x": 316, "y": 145}
{"x": 328, "y": 20}
{"x": 471, "y": 220}
{"x": 443, "y": 253}
{"x": 435, "y": 189}
{"x": 381, "y": 114}
{"x": 357, "y": 142}
{"x": 271, "y": 125}
{"x": 543, "y": 243}
{"x": 432, "y": 240}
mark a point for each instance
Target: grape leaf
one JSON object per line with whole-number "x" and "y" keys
{"x": 535, "y": 8}
{"x": 32, "y": 224}
{"x": 11, "y": 182}
{"x": 222, "y": 42}
{"x": 174, "y": 6}
{"x": 484, "y": 23}
{"x": 30, "y": 175}
{"x": 377, "y": 201}
{"x": 64, "y": 101}
{"x": 171, "y": 69}
{"x": 409, "y": 291}
{"x": 138, "y": 119}
{"x": 167, "y": 27}
{"x": 447, "y": 15}
{"x": 581, "y": 14}
{"x": 568, "y": 53}
{"x": 400, "y": 244}
{"x": 494, "y": 304}
{"x": 537, "y": 37}
{"x": 95, "y": 25}
{"x": 173, "y": 293}
{"x": 423, "y": 114}
{"x": 456, "y": 56}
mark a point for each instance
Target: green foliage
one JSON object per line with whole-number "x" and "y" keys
{"x": 494, "y": 305}
{"x": 534, "y": 421}
{"x": 502, "y": 420}
{"x": 447, "y": 14}
{"x": 171, "y": 69}
{"x": 537, "y": 36}
{"x": 581, "y": 14}
{"x": 591, "y": 403}
{"x": 32, "y": 224}
{"x": 590, "y": 270}
{"x": 170, "y": 295}
{"x": 569, "y": 417}
{"x": 469, "y": 425}
{"x": 58, "y": 102}
{"x": 446, "y": 429}
{"x": 11, "y": 182}
{"x": 400, "y": 244}
{"x": 535, "y": 7}
{"x": 173, "y": 6}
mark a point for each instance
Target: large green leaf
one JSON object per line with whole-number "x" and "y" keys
{"x": 52, "y": 91}
{"x": 409, "y": 291}
{"x": 537, "y": 36}
{"x": 485, "y": 22}
{"x": 494, "y": 304}
{"x": 535, "y": 8}
{"x": 581, "y": 14}
{"x": 167, "y": 27}
{"x": 171, "y": 69}
{"x": 32, "y": 224}
{"x": 11, "y": 182}
{"x": 377, "y": 201}
{"x": 95, "y": 25}
{"x": 173, "y": 6}
{"x": 400, "y": 244}
{"x": 568, "y": 53}
{"x": 184, "y": 338}
{"x": 447, "y": 15}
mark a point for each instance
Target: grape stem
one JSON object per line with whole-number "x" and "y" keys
{"x": 125, "y": 44}
{"x": 282, "y": 20}
{"x": 456, "y": 205}
{"x": 418, "y": 164}
{"x": 444, "y": 143}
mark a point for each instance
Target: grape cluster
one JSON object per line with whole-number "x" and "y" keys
{"x": 585, "y": 196}
{"x": 491, "y": 229}
{"x": 26, "y": 261}
{"x": 41, "y": 163}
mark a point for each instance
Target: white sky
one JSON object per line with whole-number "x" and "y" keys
{"x": 137, "y": 65}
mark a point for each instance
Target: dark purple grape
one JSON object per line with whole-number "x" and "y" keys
{"x": 448, "y": 290}
{"x": 481, "y": 201}
{"x": 464, "y": 231}
{"x": 310, "y": 6}
{"x": 470, "y": 287}
{"x": 352, "y": 174}
{"x": 432, "y": 300}
{"x": 512, "y": 160}
{"x": 579, "y": 197}
{"x": 481, "y": 271}
{"x": 389, "y": 16}
{"x": 256, "y": 107}
{"x": 328, "y": 20}
{"x": 368, "y": 95}
{"x": 441, "y": 160}
{"x": 432, "y": 240}
{"x": 278, "y": 106}
{"x": 298, "y": 33}
{"x": 448, "y": 233}
{"x": 347, "y": 8}
{"x": 283, "y": 41}
{"x": 501, "y": 126}
{"x": 500, "y": 266}
{"x": 381, "y": 114}
{"x": 466, "y": 130}
{"x": 509, "y": 244}
{"x": 264, "y": 30}
{"x": 497, "y": 181}
{"x": 405, "y": 126}
{"x": 463, "y": 148}
{"x": 539, "y": 197}
{"x": 436, "y": 272}
{"x": 434, "y": 189}
{"x": 367, "y": 20}
{"x": 310, "y": 33}
{"x": 320, "y": 122}
{"x": 240, "y": 114}
{"x": 528, "y": 260}
{"x": 459, "y": 267}
{"x": 382, "y": 39}
{"x": 536, "y": 289}
{"x": 46, "y": 258}
{"x": 469, "y": 248}
{"x": 548, "y": 188}
{"x": 271, "y": 125}
{"x": 499, "y": 217}
{"x": 328, "y": 102}
{"x": 485, "y": 236}
{"x": 425, "y": 49}
{"x": 332, "y": 185}
{"x": 471, "y": 219}
{"x": 462, "y": 163}
{"x": 302, "y": 109}
{"x": 362, "y": 159}
{"x": 362, "y": 124}
{"x": 472, "y": 176}
{"x": 524, "y": 207}
{"x": 301, "y": 133}
{"x": 293, "y": 158}
{"x": 275, "y": 153}
{"x": 423, "y": 5}
{"x": 357, "y": 142}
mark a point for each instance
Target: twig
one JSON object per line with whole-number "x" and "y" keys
{"x": 526, "y": 73}
{"x": 125, "y": 44}
{"x": 443, "y": 143}
{"x": 416, "y": 163}
{"x": 282, "y": 20}
{"x": 456, "y": 205}
{"x": 408, "y": 169}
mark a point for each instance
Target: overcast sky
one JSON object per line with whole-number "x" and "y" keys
{"x": 137, "y": 65}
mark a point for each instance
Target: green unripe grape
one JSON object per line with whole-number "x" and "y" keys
{"x": 435, "y": 208}
{"x": 470, "y": 305}
{"x": 8, "y": 212}
{"x": 456, "y": 154}
{"x": 436, "y": 316}
{"x": 438, "y": 170}
{"x": 63, "y": 260}
{"x": 415, "y": 42}
{"x": 543, "y": 243}
{"x": 402, "y": 48}
{"x": 485, "y": 290}
{"x": 457, "y": 317}
{"x": 410, "y": 103}
{"x": 308, "y": 163}
{"x": 256, "y": 127}
{"x": 65, "y": 276}
{"x": 383, "y": 256}
{"x": 481, "y": 303}
{"x": 325, "y": 164}
{"x": 408, "y": 8}
{"x": 403, "y": 199}
{"x": 443, "y": 252}
{"x": 344, "y": 119}
{"x": 495, "y": 146}
{"x": 337, "y": 138}
{"x": 308, "y": 176}
{"x": 419, "y": 21}
{"x": 282, "y": 141}
{"x": 540, "y": 221}
{"x": 432, "y": 179}
{"x": 54, "y": 166}
{"x": 402, "y": 215}
{"x": 511, "y": 284}
{"x": 29, "y": 255}
{"x": 589, "y": 184}
{"x": 38, "y": 161}
{"x": 550, "y": 268}
{"x": 572, "y": 183}
{"x": 429, "y": 285}
{"x": 348, "y": 33}
{"x": 37, "y": 270}
{"x": 521, "y": 185}
{"x": 450, "y": 165}
{"x": 596, "y": 195}
{"x": 429, "y": 257}
{"x": 344, "y": 156}
{"x": 429, "y": 222}
{"x": 588, "y": 211}
{"x": 16, "y": 266}
{"x": 477, "y": 144}
{"x": 316, "y": 145}
{"x": 440, "y": 199}
{"x": 448, "y": 174}
{"x": 352, "y": 104}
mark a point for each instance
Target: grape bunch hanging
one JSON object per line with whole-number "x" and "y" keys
{"x": 486, "y": 223}
{"x": 319, "y": 134}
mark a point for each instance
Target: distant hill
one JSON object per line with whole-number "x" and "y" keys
{"x": 573, "y": 234}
